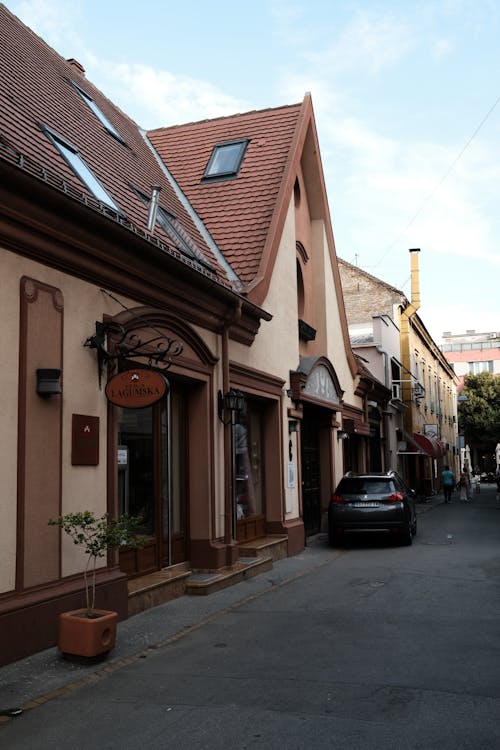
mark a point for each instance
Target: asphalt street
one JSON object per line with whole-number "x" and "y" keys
{"x": 368, "y": 645}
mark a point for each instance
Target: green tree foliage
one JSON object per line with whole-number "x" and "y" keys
{"x": 97, "y": 535}
{"x": 479, "y": 415}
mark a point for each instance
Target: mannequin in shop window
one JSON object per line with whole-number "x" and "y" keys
{"x": 245, "y": 498}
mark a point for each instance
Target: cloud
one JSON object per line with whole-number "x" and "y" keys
{"x": 153, "y": 97}
{"x": 158, "y": 98}
{"x": 369, "y": 44}
{"x": 54, "y": 20}
{"x": 441, "y": 48}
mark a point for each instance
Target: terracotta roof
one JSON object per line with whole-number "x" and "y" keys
{"x": 36, "y": 91}
{"x": 237, "y": 212}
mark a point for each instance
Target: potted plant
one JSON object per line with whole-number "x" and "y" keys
{"x": 89, "y": 631}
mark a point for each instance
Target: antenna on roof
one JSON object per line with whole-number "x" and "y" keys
{"x": 153, "y": 206}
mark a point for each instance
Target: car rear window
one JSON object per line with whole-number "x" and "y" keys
{"x": 361, "y": 485}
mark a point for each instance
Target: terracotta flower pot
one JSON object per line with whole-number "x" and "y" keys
{"x": 87, "y": 636}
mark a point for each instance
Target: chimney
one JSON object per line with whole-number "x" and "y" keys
{"x": 153, "y": 207}
{"x": 76, "y": 65}
{"x": 415, "y": 279}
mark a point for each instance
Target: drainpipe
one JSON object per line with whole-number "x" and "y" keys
{"x": 229, "y": 541}
{"x": 386, "y": 413}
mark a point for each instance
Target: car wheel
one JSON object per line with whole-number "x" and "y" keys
{"x": 407, "y": 535}
{"x": 332, "y": 536}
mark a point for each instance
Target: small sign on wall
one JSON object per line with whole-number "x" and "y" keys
{"x": 291, "y": 474}
{"x": 84, "y": 440}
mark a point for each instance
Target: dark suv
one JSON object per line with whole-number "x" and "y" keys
{"x": 377, "y": 502}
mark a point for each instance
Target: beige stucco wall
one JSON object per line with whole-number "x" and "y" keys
{"x": 335, "y": 345}
{"x": 275, "y": 349}
{"x": 83, "y": 487}
{"x": 9, "y": 314}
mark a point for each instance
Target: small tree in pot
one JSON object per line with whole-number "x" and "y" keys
{"x": 96, "y": 535}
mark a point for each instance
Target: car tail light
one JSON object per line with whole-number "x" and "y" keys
{"x": 337, "y": 499}
{"x": 396, "y": 497}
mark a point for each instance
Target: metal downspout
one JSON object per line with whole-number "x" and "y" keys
{"x": 229, "y": 541}
{"x": 386, "y": 414}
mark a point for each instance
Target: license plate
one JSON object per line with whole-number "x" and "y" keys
{"x": 364, "y": 505}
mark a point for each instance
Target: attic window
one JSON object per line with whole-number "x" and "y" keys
{"x": 226, "y": 159}
{"x": 98, "y": 113}
{"x": 174, "y": 229}
{"x": 81, "y": 170}
{"x": 176, "y": 232}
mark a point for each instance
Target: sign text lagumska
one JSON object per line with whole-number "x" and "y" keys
{"x": 136, "y": 389}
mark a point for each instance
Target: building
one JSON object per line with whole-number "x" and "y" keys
{"x": 175, "y": 343}
{"x": 267, "y": 210}
{"x": 386, "y": 329}
{"x": 470, "y": 353}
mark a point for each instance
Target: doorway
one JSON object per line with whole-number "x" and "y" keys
{"x": 152, "y": 481}
{"x": 311, "y": 473}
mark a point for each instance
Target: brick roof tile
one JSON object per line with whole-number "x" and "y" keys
{"x": 237, "y": 212}
{"x": 35, "y": 91}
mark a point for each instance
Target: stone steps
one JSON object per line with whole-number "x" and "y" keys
{"x": 161, "y": 586}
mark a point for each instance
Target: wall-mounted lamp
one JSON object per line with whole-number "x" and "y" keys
{"x": 232, "y": 403}
{"x": 342, "y": 435}
{"x": 293, "y": 426}
{"x": 48, "y": 382}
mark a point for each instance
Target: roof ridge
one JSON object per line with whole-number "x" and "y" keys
{"x": 225, "y": 117}
{"x": 371, "y": 276}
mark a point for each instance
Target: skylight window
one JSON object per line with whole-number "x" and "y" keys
{"x": 226, "y": 159}
{"x": 175, "y": 231}
{"x": 98, "y": 113}
{"x": 79, "y": 167}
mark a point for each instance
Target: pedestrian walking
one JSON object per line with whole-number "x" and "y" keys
{"x": 476, "y": 481}
{"x": 448, "y": 482}
{"x": 465, "y": 486}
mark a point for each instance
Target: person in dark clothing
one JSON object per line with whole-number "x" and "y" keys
{"x": 448, "y": 481}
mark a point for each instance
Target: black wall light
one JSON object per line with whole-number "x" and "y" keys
{"x": 231, "y": 403}
{"x": 48, "y": 382}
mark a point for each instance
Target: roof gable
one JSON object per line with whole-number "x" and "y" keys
{"x": 237, "y": 212}
{"x": 246, "y": 215}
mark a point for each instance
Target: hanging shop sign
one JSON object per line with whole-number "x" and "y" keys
{"x": 136, "y": 389}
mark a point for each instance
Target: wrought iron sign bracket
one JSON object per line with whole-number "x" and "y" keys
{"x": 157, "y": 351}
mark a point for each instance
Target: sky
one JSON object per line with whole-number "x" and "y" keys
{"x": 406, "y": 102}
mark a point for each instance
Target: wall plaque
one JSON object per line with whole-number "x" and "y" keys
{"x": 84, "y": 440}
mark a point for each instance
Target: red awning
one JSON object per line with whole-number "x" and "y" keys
{"x": 430, "y": 445}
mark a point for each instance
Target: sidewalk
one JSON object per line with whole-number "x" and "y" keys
{"x": 430, "y": 502}
{"x": 36, "y": 679}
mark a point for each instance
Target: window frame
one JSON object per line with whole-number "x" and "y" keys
{"x": 91, "y": 103}
{"x": 231, "y": 173}
{"x": 78, "y": 166}
{"x": 176, "y": 233}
